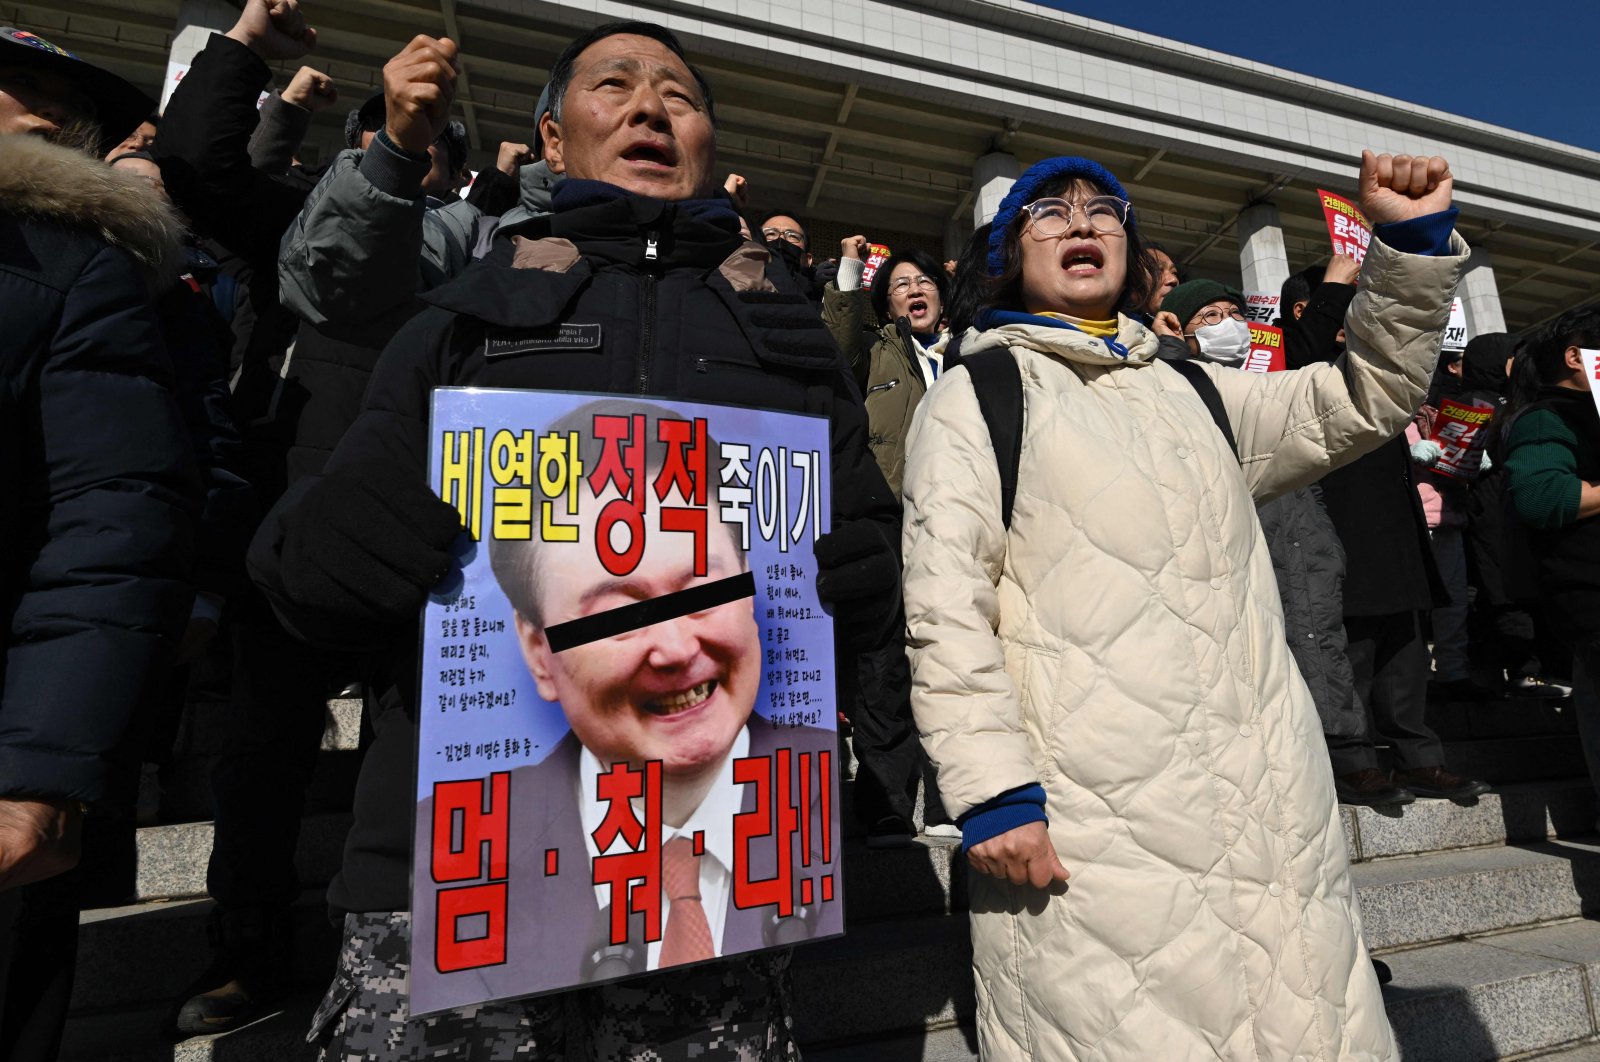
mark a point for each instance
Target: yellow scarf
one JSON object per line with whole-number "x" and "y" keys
{"x": 1098, "y": 329}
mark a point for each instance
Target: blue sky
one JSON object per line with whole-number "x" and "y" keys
{"x": 1532, "y": 66}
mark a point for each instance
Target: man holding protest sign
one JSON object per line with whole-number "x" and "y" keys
{"x": 642, "y": 686}
{"x": 637, "y": 282}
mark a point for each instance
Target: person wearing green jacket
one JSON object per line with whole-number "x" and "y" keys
{"x": 1553, "y": 479}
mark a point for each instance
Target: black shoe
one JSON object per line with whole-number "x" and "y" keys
{"x": 1438, "y": 782}
{"x": 1370, "y": 788}
{"x": 1535, "y": 687}
{"x": 248, "y": 977}
{"x": 1381, "y": 968}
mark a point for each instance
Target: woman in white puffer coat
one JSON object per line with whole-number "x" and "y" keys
{"x": 1105, "y": 688}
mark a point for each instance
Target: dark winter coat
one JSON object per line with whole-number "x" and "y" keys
{"x": 1552, "y": 449}
{"x": 96, "y": 531}
{"x": 1372, "y": 501}
{"x": 197, "y": 341}
{"x": 676, "y": 305}
{"x": 1314, "y": 335}
{"x": 240, "y": 213}
{"x": 1309, "y": 564}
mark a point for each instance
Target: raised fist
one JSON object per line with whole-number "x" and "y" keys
{"x": 738, "y": 189}
{"x": 419, "y": 85}
{"x": 1342, "y": 269}
{"x": 855, "y": 247}
{"x": 512, "y": 157}
{"x": 311, "y": 90}
{"x": 274, "y": 29}
{"x": 1402, "y": 187}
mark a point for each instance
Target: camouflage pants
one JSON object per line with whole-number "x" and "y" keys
{"x": 736, "y": 1010}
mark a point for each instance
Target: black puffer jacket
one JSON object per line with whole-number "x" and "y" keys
{"x": 1309, "y": 563}
{"x": 95, "y": 465}
{"x": 613, "y": 294}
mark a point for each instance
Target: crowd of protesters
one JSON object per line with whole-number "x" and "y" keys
{"x": 1121, "y": 611}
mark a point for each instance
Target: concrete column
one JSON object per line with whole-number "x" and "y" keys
{"x": 197, "y": 21}
{"x": 1263, "y": 262}
{"x": 1480, "y": 295}
{"x": 956, "y": 233}
{"x": 992, "y": 177}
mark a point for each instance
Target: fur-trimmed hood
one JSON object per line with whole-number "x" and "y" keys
{"x": 46, "y": 182}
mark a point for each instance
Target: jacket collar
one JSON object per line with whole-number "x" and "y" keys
{"x": 593, "y": 225}
{"x": 42, "y": 181}
{"x": 1055, "y": 337}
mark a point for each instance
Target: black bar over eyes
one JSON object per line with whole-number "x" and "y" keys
{"x": 625, "y": 618}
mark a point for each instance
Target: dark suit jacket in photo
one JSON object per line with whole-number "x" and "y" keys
{"x": 558, "y": 935}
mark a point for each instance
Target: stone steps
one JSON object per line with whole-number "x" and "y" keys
{"x": 1497, "y": 995}
{"x": 1419, "y": 899}
{"x": 172, "y": 859}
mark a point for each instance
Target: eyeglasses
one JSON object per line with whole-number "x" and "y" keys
{"x": 1052, "y": 217}
{"x": 1215, "y": 315}
{"x": 792, "y": 235}
{"x": 904, "y": 284}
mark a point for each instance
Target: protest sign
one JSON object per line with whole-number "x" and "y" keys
{"x": 627, "y": 741}
{"x": 1591, "y": 372}
{"x": 1348, "y": 227}
{"x": 1261, "y": 307}
{"x": 1455, "y": 333}
{"x": 1266, "y": 349}
{"x": 877, "y": 254}
{"x": 1459, "y": 429}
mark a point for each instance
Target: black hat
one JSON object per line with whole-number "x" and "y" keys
{"x": 368, "y": 118}
{"x": 119, "y": 107}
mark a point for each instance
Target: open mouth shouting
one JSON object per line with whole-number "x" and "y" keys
{"x": 918, "y": 310}
{"x": 681, "y": 701}
{"x": 1082, "y": 258}
{"x": 651, "y": 155}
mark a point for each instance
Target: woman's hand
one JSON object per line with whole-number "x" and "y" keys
{"x": 1402, "y": 187}
{"x": 854, "y": 247}
{"x": 1166, "y": 323}
{"x": 1023, "y": 856}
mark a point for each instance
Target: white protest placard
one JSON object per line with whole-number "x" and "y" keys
{"x": 1591, "y": 372}
{"x": 1455, "y": 333}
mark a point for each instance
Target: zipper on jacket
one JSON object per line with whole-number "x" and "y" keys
{"x": 881, "y": 387}
{"x": 647, "y": 331}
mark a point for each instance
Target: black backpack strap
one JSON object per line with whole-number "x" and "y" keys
{"x": 998, "y": 384}
{"x": 1207, "y": 390}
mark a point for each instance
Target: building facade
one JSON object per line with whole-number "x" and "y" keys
{"x": 908, "y": 123}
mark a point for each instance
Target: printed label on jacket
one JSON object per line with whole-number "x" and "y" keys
{"x": 564, "y": 337}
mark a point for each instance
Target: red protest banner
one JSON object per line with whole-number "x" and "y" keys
{"x": 877, "y": 255}
{"x": 1266, "y": 349}
{"x": 1458, "y": 429}
{"x": 1348, "y": 227}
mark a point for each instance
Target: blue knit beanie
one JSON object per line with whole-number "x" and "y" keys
{"x": 1041, "y": 175}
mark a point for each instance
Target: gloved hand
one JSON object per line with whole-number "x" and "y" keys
{"x": 368, "y": 545}
{"x": 1487, "y": 464}
{"x": 858, "y": 576}
{"x": 1426, "y": 452}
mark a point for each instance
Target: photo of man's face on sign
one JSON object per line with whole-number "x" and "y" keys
{"x": 659, "y": 783}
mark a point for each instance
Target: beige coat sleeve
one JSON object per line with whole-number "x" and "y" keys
{"x": 965, "y": 703}
{"x": 1293, "y": 427}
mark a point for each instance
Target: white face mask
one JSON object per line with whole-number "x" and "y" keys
{"x": 1226, "y": 342}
